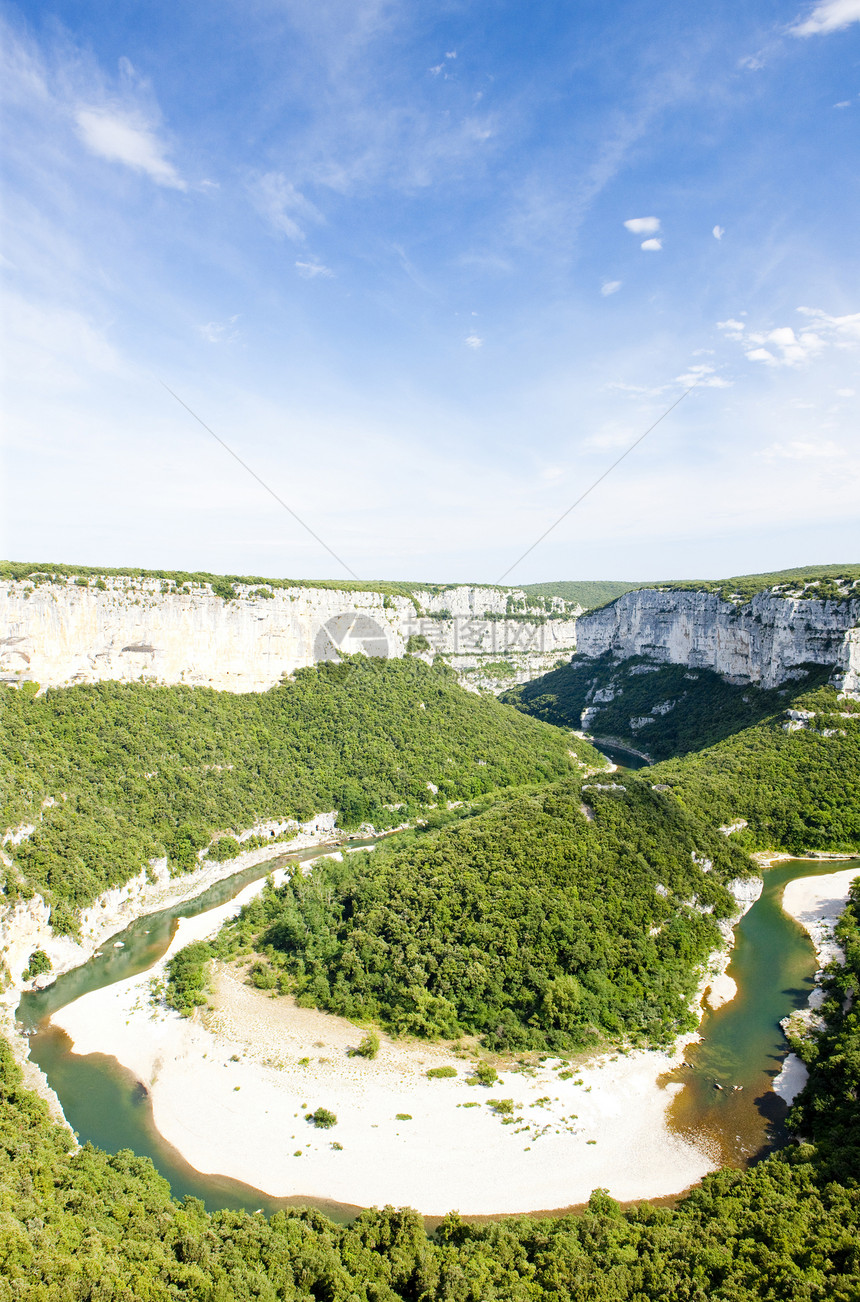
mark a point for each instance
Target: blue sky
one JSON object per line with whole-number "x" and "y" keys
{"x": 429, "y": 270}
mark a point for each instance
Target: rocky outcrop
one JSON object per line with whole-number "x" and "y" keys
{"x": 131, "y": 629}
{"x": 764, "y": 641}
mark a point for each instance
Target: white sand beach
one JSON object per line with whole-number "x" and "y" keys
{"x": 816, "y": 903}
{"x": 232, "y": 1097}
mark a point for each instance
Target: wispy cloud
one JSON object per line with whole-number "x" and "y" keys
{"x": 310, "y": 270}
{"x": 283, "y": 205}
{"x": 703, "y": 376}
{"x": 610, "y": 287}
{"x": 802, "y": 450}
{"x": 643, "y": 225}
{"x": 719, "y": 232}
{"x": 829, "y": 16}
{"x": 121, "y": 137}
{"x": 474, "y": 341}
{"x": 220, "y": 332}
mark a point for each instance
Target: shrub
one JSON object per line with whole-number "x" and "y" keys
{"x": 368, "y": 1048}
{"x": 38, "y": 965}
{"x": 226, "y": 847}
{"x": 262, "y": 976}
{"x": 403, "y": 1116}
{"x": 501, "y": 1107}
{"x": 484, "y": 1075}
{"x": 441, "y": 1073}
{"x": 322, "y": 1119}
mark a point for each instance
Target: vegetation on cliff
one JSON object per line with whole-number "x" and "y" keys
{"x": 819, "y": 582}
{"x": 112, "y": 774}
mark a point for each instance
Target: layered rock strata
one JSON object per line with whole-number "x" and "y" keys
{"x": 64, "y": 632}
{"x": 764, "y": 641}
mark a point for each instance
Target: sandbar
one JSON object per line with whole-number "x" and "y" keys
{"x": 231, "y": 1090}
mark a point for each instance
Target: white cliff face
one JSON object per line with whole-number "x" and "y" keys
{"x": 762, "y": 642}
{"x": 128, "y": 629}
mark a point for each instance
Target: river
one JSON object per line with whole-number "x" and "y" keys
{"x": 742, "y": 1044}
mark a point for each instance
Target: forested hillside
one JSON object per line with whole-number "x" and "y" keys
{"x": 663, "y": 710}
{"x": 787, "y": 761}
{"x": 796, "y": 782}
{"x": 111, "y": 774}
{"x": 87, "y": 1227}
{"x": 546, "y": 922}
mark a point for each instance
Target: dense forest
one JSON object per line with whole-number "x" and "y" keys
{"x": 545, "y": 922}
{"x": 112, "y": 774}
{"x": 85, "y": 1226}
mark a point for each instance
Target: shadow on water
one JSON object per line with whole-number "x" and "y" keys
{"x": 727, "y": 1105}
{"x": 625, "y": 759}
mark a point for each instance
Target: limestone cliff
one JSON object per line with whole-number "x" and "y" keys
{"x": 71, "y": 631}
{"x": 762, "y": 641}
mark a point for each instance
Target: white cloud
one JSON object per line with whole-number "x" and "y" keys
{"x": 220, "y": 332}
{"x": 702, "y": 376}
{"x": 786, "y": 347}
{"x": 437, "y": 69}
{"x": 652, "y": 246}
{"x": 451, "y": 54}
{"x": 844, "y": 331}
{"x": 845, "y": 393}
{"x": 310, "y": 270}
{"x": 802, "y": 450}
{"x": 789, "y": 349}
{"x": 829, "y": 16}
{"x": 127, "y": 138}
{"x": 719, "y": 232}
{"x": 643, "y": 225}
{"x": 762, "y": 355}
{"x": 843, "y": 103}
{"x": 610, "y": 287}
{"x": 283, "y": 205}
{"x": 474, "y": 341}
{"x": 751, "y": 61}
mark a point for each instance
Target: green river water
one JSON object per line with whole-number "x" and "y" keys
{"x": 742, "y": 1045}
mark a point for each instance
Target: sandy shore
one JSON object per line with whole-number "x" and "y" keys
{"x": 816, "y": 903}
{"x": 231, "y": 1095}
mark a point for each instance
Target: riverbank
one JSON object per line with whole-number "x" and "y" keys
{"x": 231, "y": 1091}
{"x": 25, "y": 926}
{"x": 816, "y": 903}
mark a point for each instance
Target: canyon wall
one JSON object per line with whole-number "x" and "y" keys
{"x": 65, "y": 631}
{"x": 763, "y": 641}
